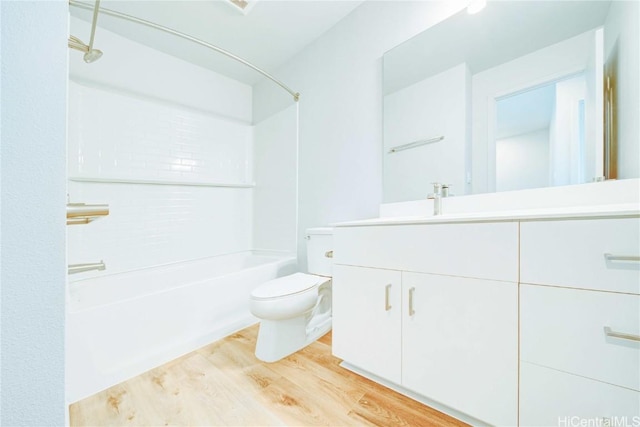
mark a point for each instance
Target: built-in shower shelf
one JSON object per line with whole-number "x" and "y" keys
{"x": 162, "y": 182}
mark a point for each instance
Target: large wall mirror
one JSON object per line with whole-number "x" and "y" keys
{"x": 523, "y": 94}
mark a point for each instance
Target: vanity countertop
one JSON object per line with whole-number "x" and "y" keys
{"x": 573, "y": 212}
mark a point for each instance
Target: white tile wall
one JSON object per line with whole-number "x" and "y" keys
{"x": 116, "y": 136}
{"x": 112, "y": 135}
{"x": 156, "y": 224}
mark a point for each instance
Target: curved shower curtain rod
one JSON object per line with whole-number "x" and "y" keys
{"x": 75, "y": 3}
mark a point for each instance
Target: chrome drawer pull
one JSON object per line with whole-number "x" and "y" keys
{"x": 612, "y": 257}
{"x": 387, "y": 306}
{"x": 613, "y": 334}
{"x": 328, "y": 254}
{"x": 411, "y": 310}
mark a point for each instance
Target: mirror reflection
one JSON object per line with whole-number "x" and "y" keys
{"x": 513, "y": 98}
{"x": 540, "y": 137}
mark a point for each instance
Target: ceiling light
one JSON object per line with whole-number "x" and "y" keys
{"x": 476, "y": 6}
{"x": 243, "y": 6}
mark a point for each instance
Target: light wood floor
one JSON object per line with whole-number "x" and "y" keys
{"x": 223, "y": 384}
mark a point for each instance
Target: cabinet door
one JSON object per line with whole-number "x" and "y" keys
{"x": 460, "y": 344}
{"x": 366, "y": 319}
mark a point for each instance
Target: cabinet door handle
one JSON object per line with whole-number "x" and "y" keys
{"x": 387, "y": 306}
{"x": 628, "y": 258}
{"x": 411, "y": 310}
{"x": 613, "y": 334}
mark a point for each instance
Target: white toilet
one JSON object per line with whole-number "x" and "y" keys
{"x": 295, "y": 310}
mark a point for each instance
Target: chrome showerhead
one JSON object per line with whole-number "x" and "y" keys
{"x": 92, "y": 55}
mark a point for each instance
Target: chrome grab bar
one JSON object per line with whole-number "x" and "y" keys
{"x": 613, "y": 334}
{"x": 79, "y": 268}
{"x": 82, "y": 213}
{"x": 387, "y": 306}
{"x": 612, "y": 257}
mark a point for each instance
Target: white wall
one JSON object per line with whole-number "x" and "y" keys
{"x": 339, "y": 77}
{"x": 33, "y": 95}
{"x": 545, "y": 65}
{"x": 621, "y": 27}
{"x": 433, "y": 107}
{"x": 522, "y": 161}
{"x": 275, "y": 203}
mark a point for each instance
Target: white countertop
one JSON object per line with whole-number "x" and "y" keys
{"x": 573, "y": 212}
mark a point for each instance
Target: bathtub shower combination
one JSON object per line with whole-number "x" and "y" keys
{"x": 201, "y": 203}
{"x": 123, "y": 324}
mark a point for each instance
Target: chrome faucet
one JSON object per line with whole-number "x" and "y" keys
{"x": 436, "y": 196}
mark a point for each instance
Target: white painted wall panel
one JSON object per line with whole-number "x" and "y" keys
{"x": 522, "y": 161}
{"x": 33, "y": 87}
{"x": 275, "y": 205}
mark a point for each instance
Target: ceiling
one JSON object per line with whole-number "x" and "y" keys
{"x": 270, "y": 34}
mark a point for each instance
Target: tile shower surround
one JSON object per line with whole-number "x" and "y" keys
{"x": 120, "y": 136}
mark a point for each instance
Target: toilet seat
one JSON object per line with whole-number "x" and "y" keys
{"x": 293, "y": 284}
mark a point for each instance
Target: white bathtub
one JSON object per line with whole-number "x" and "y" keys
{"x": 121, "y": 325}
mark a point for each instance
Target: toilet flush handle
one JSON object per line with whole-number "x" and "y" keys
{"x": 328, "y": 254}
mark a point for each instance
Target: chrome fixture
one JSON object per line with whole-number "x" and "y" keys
{"x": 75, "y": 3}
{"x": 415, "y": 144}
{"x": 79, "y": 268}
{"x": 623, "y": 258}
{"x": 613, "y": 334}
{"x": 81, "y": 213}
{"x": 445, "y": 190}
{"x": 411, "y": 310}
{"x": 387, "y": 305}
{"x": 90, "y": 54}
{"x": 436, "y": 196}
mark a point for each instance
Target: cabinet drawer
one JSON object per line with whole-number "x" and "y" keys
{"x": 553, "y": 398}
{"x": 485, "y": 251}
{"x": 574, "y": 254}
{"x": 565, "y": 329}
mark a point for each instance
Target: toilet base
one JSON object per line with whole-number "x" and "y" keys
{"x": 280, "y": 338}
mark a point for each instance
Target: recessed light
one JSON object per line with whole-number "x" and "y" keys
{"x": 476, "y": 6}
{"x": 243, "y": 6}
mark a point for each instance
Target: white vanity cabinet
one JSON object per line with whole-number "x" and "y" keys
{"x": 460, "y": 344}
{"x": 433, "y": 309}
{"x": 580, "y": 321}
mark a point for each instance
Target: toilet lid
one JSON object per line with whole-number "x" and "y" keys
{"x": 287, "y": 285}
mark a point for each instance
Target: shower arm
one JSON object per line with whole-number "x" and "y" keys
{"x": 94, "y": 24}
{"x": 75, "y": 3}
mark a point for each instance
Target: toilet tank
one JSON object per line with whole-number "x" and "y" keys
{"x": 319, "y": 250}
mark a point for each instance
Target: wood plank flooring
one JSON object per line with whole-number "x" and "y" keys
{"x": 223, "y": 384}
